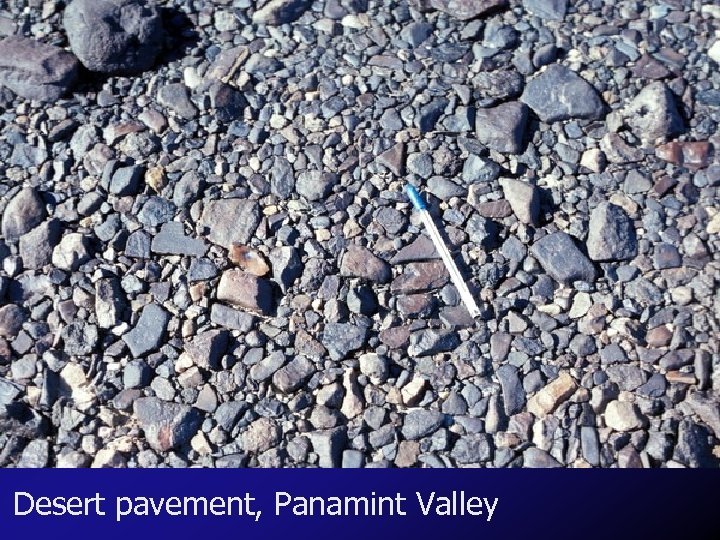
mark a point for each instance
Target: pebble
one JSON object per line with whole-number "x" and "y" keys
{"x": 562, "y": 260}
{"x": 148, "y": 332}
{"x": 611, "y": 234}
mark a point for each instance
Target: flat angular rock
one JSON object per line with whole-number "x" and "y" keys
{"x": 467, "y": 9}
{"x": 551, "y": 395}
{"x": 34, "y": 70}
{"x": 260, "y": 436}
{"x": 108, "y": 302}
{"x": 524, "y": 199}
{"x": 72, "y": 251}
{"x": 361, "y": 262}
{"x": 114, "y": 36}
{"x": 230, "y": 220}
{"x": 230, "y": 318}
{"x": 512, "y": 389}
{"x": 432, "y": 341}
{"x": 24, "y": 211}
{"x": 394, "y": 159}
{"x": 276, "y": 12}
{"x": 537, "y": 458}
{"x": 496, "y": 86}
{"x": 293, "y": 375}
{"x": 329, "y": 445}
{"x": 501, "y": 128}
{"x": 419, "y": 277}
{"x": 148, "y": 331}
{"x": 167, "y": 425}
{"x": 558, "y": 93}
{"x": 175, "y": 97}
{"x": 36, "y": 246}
{"x": 652, "y": 114}
{"x": 286, "y": 266}
{"x": 171, "y": 240}
{"x": 611, "y": 234}
{"x": 315, "y": 185}
{"x": 562, "y": 260}
{"x": 419, "y": 423}
{"x": 245, "y": 290}
{"x": 420, "y": 249}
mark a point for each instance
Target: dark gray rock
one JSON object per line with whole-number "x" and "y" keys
{"x": 12, "y": 318}
{"x": 293, "y": 375}
{"x": 34, "y": 70}
{"x": 282, "y": 178}
{"x": 230, "y": 318}
{"x": 171, "y": 240}
{"x": 558, "y": 93}
{"x": 535, "y": 458}
{"x": 138, "y": 245}
{"x": 227, "y": 414}
{"x": 562, "y": 260}
{"x": 479, "y": 169}
{"x": 109, "y": 302}
{"x": 432, "y": 341}
{"x": 473, "y": 448}
{"x": 315, "y": 185}
{"x": 501, "y": 128}
{"x": 126, "y": 180}
{"x": 419, "y": 423}
{"x": 156, "y": 211}
{"x": 341, "y": 338}
{"x": 166, "y": 425}
{"x": 611, "y": 234}
{"x": 207, "y": 348}
{"x": 512, "y": 389}
{"x": 114, "y": 36}
{"x": 430, "y": 113}
{"x": 175, "y": 97}
{"x": 329, "y": 445}
{"x": 496, "y": 86}
{"x": 79, "y": 338}
{"x": 148, "y": 331}
{"x": 590, "y": 445}
{"x": 201, "y": 270}
{"x": 467, "y": 9}
{"x": 25, "y": 211}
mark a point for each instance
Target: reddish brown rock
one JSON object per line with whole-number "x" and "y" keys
{"x": 693, "y": 155}
{"x": 420, "y": 276}
{"x": 361, "y": 262}
{"x": 245, "y": 290}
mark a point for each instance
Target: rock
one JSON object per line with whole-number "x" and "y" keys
{"x": 329, "y": 445}
{"x": 652, "y": 114}
{"x": 467, "y": 9}
{"x": 71, "y": 252}
{"x": 276, "y": 12}
{"x": 547, "y": 9}
{"x": 248, "y": 259}
{"x": 394, "y": 159}
{"x": 362, "y": 263}
{"x": 293, "y": 375}
{"x": 623, "y": 416}
{"x": 114, "y": 36}
{"x": 282, "y": 178}
{"x": 126, "y": 180}
{"x": 36, "y": 455}
{"x": 245, "y": 290}
{"x": 479, "y": 169}
{"x": 166, "y": 425}
{"x": 79, "y": 338}
{"x": 148, "y": 331}
{"x": 25, "y": 211}
{"x": 611, "y": 234}
{"x": 374, "y": 366}
{"x": 137, "y": 374}
{"x": 8, "y": 391}
{"x": 207, "y": 348}
{"x": 108, "y": 302}
{"x": 315, "y": 185}
{"x": 419, "y": 277}
{"x": 558, "y": 93}
{"x": 175, "y": 97}
{"x": 419, "y": 423}
{"x": 512, "y": 389}
{"x": 693, "y": 448}
{"x": 342, "y": 338}
{"x": 501, "y": 128}
{"x": 171, "y": 240}
{"x": 286, "y": 265}
{"x": 523, "y": 198}
{"x": 266, "y": 367}
{"x": 230, "y": 220}
{"x": 432, "y": 341}
{"x": 562, "y": 260}
{"x": 707, "y": 409}
{"x": 231, "y": 318}
{"x": 260, "y": 435}
{"x": 352, "y": 404}
{"x": 693, "y": 155}
{"x": 552, "y": 394}
{"x": 419, "y": 249}
{"x": 228, "y": 414}
{"x": 473, "y": 448}
{"x": 536, "y": 458}
{"x": 12, "y": 318}
{"x": 36, "y": 246}
{"x": 496, "y": 86}
{"x": 430, "y": 113}
{"x": 35, "y": 70}
{"x": 138, "y": 245}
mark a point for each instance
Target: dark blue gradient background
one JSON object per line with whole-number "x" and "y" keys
{"x": 555, "y": 504}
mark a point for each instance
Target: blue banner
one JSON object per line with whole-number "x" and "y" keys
{"x": 481, "y": 503}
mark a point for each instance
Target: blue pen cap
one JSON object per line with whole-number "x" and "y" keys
{"x": 415, "y": 197}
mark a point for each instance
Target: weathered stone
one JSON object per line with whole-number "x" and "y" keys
{"x": 276, "y": 12}
{"x": 523, "y": 198}
{"x": 512, "y": 389}
{"x": 166, "y": 425}
{"x": 245, "y": 290}
{"x": 421, "y": 422}
{"x": 172, "y": 240}
{"x": 361, "y": 262}
{"x": 419, "y": 277}
{"x": 35, "y": 70}
{"x": 562, "y": 260}
{"x": 71, "y": 252}
{"x": 652, "y": 114}
{"x": 558, "y": 93}
{"x": 291, "y": 376}
{"x": 502, "y": 127}
{"x": 148, "y": 331}
{"x": 248, "y": 259}
{"x": 623, "y": 416}
{"x": 24, "y": 211}
{"x": 611, "y": 235}
{"x": 467, "y": 9}
{"x": 547, "y": 9}
{"x": 551, "y": 395}
{"x": 341, "y": 338}
{"x": 230, "y": 220}
{"x": 207, "y": 348}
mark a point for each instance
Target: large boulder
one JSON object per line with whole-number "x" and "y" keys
{"x": 114, "y": 36}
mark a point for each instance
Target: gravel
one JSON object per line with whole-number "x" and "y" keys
{"x": 207, "y": 257}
